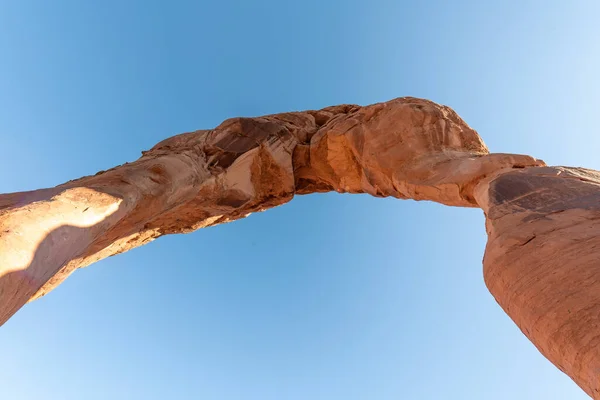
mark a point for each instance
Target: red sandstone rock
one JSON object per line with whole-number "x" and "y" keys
{"x": 542, "y": 262}
{"x": 542, "y": 257}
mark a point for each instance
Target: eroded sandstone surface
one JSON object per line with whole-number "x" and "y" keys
{"x": 542, "y": 257}
{"x": 542, "y": 262}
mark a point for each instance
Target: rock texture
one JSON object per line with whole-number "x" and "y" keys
{"x": 542, "y": 262}
{"x": 541, "y": 258}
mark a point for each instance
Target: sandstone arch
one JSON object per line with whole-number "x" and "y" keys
{"x": 542, "y": 260}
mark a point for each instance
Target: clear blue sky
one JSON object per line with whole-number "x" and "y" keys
{"x": 328, "y": 297}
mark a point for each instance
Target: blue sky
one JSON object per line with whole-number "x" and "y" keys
{"x": 330, "y": 296}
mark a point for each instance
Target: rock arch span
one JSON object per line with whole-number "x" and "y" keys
{"x": 542, "y": 259}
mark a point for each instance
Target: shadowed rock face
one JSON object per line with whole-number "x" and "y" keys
{"x": 540, "y": 261}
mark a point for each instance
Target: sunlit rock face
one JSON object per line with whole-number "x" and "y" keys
{"x": 541, "y": 260}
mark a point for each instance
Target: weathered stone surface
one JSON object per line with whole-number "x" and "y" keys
{"x": 406, "y": 148}
{"x": 541, "y": 261}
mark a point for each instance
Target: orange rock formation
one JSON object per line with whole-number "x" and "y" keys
{"x": 543, "y": 248}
